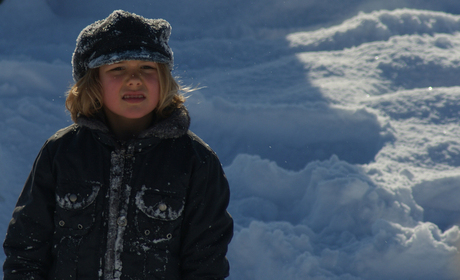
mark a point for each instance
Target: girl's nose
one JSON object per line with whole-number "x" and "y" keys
{"x": 134, "y": 79}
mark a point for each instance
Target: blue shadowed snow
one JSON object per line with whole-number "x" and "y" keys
{"x": 336, "y": 123}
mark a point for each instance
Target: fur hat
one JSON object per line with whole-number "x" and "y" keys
{"x": 121, "y": 36}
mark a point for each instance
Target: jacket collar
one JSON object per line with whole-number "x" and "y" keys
{"x": 174, "y": 126}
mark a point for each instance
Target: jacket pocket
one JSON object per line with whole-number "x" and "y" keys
{"x": 158, "y": 221}
{"x": 75, "y": 207}
{"x": 74, "y": 218}
{"x": 159, "y": 214}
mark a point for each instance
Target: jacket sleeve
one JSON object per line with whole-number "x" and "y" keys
{"x": 28, "y": 240}
{"x": 207, "y": 226}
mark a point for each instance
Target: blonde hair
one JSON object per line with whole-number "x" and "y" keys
{"x": 85, "y": 96}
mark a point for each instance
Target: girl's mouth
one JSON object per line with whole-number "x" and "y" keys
{"x": 133, "y": 98}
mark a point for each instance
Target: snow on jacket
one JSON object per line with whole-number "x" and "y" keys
{"x": 93, "y": 208}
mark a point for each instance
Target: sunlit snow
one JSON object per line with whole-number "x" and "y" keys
{"x": 337, "y": 124}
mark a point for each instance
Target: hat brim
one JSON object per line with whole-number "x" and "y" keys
{"x": 141, "y": 54}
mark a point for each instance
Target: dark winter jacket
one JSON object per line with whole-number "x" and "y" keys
{"x": 93, "y": 208}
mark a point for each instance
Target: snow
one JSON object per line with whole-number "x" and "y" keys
{"x": 118, "y": 208}
{"x": 336, "y": 123}
{"x": 161, "y": 210}
{"x": 70, "y": 201}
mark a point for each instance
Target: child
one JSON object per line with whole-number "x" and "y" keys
{"x": 127, "y": 192}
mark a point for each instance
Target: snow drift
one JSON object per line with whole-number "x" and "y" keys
{"x": 339, "y": 139}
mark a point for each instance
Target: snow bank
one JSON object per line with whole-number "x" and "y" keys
{"x": 340, "y": 144}
{"x": 375, "y": 26}
{"x": 291, "y": 135}
{"x": 376, "y": 68}
{"x": 330, "y": 221}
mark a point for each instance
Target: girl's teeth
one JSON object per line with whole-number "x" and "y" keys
{"x": 133, "y": 96}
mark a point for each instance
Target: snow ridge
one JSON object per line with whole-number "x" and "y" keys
{"x": 341, "y": 145}
{"x": 375, "y": 26}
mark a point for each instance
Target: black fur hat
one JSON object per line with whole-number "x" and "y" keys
{"x": 122, "y": 36}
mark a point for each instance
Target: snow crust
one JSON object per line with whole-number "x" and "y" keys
{"x": 338, "y": 130}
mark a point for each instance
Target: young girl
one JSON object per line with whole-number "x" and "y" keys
{"x": 127, "y": 192}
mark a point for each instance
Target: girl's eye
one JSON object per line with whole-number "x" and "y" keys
{"x": 148, "y": 67}
{"x": 116, "y": 69}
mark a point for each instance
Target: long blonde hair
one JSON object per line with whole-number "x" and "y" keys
{"x": 85, "y": 96}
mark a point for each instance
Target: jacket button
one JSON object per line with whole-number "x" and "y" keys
{"x": 80, "y": 226}
{"x": 147, "y": 232}
{"x": 122, "y": 221}
{"x": 73, "y": 197}
{"x": 61, "y": 223}
{"x": 169, "y": 236}
{"x": 162, "y": 207}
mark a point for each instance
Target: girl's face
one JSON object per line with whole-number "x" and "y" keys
{"x": 130, "y": 89}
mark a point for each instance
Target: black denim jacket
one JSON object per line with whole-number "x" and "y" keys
{"x": 94, "y": 208}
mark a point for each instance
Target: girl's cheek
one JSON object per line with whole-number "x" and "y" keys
{"x": 152, "y": 78}
{"x": 115, "y": 77}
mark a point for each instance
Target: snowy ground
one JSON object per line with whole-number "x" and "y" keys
{"x": 338, "y": 130}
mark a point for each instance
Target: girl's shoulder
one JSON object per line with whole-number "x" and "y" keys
{"x": 67, "y": 135}
{"x": 200, "y": 148}
{"x": 65, "y": 132}
{"x": 196, "y": 140}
